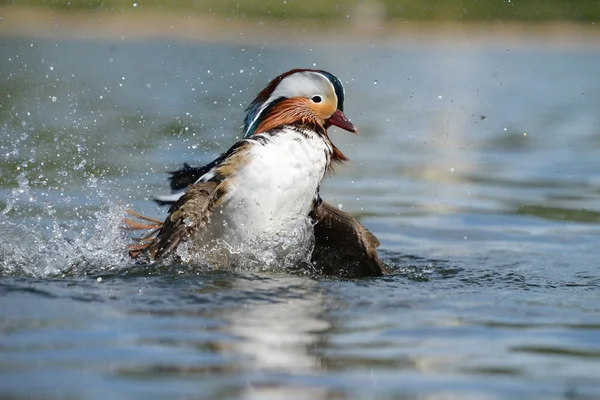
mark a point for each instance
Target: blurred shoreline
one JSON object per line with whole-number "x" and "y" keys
{"x": 39, "y": 23}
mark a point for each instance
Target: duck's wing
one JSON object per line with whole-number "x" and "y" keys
{"x": 182, "y": 178}
{"x": 343, "y": 247}
{"x": 191, "y": 210}
{"x": 187, "y": 216}
{"x": 188, "y": 175}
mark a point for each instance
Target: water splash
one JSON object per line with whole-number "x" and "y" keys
{"x": 23, "y": 189}
{"x": 288, "y": 253}
{"x": 31, "y": 250}
{"x": 37, "y": 242}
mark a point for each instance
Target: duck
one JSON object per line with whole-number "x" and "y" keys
{"x": 262, "y": 196}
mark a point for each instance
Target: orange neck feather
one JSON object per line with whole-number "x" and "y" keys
{"x": 297, "y": 112}
{"x": 290, "y": 112}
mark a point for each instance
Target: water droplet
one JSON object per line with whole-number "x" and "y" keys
{"x": 135, "y": 5}
{"x": 81, "y": 165}
{"x": 375, "y": 82}
{"x": 53, "y": 98}
{"x": 340, "y": 205}
{"x": 439, "y": 96}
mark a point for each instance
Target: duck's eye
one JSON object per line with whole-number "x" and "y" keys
{"x": 316, "y": 99}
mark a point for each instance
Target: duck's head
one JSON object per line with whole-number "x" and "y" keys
{"x": 318, "y": 91}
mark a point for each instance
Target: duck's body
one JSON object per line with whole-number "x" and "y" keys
{"x": 275, "y": 187}
{"x": 265, "y": 190}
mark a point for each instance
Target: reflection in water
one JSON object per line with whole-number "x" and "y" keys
{"x": 278, "y": 335}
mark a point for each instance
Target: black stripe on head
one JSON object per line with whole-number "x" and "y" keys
{"x": 337, "y": 86}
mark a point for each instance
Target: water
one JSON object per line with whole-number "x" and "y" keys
{"x": 477, "y": 168}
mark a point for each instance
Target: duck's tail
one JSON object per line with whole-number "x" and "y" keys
{"x": 145, "y": 241}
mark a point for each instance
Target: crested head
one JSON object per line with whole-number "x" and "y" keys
{"x": 323, "y": 90}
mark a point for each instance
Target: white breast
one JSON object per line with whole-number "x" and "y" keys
{"x": 273, "y": 193}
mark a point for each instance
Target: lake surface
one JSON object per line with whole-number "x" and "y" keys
{"x": 477, "y": 167}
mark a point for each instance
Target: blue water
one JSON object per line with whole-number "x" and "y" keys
{"x": 476, "y": 167}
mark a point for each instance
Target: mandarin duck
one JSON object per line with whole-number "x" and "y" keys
{"x": 263, "y": 193}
